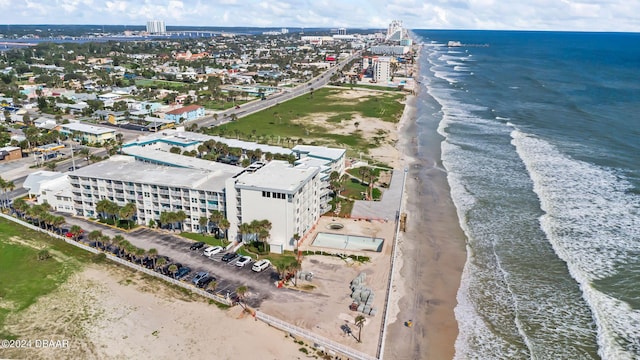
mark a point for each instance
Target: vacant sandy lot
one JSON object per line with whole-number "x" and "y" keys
{"x": 369, "y": 128}
{"x": 326, "y": 312}
{"x": 111, "y": 313}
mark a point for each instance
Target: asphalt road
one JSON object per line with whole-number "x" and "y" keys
{"x": 272, "y": 100}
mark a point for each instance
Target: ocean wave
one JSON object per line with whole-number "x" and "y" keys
{"x": 592, "y": 223}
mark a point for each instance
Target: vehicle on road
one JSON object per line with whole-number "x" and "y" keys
{"x": 244, "y": 260}
{"x": 196, "y": 246}
{"x": 212, "y": 250}
{"x": 229, "y": 256}
{"x": 199, "y": 276}
{"x": 182, "y": 272}
{"x": 261, "y": 265}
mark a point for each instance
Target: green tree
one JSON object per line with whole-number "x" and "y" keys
{"x": 76, "y": 231}
{"x": 128, "y": 211}
{"x": 173, "y": 269}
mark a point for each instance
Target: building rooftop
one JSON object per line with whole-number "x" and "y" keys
{"x": 127, "y": 169}
{"x": 277, "y": 175}
{"x": 171, "y": 136}
{"x": 85, "y": 128}
{"x": 322, "y": 152}
{"x": 184, "y": 138}
{"x": 184, "y": 109}
{"x": 34, "y": 181}
{"x": 177, "y": 160}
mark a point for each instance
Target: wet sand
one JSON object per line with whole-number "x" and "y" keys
{"x": 431, "y": 252}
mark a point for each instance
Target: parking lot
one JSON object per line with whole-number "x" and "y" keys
{"x": 261, "y": 285}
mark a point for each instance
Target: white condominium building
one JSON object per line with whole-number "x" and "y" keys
{"x": 152, "y": 188}
{"x": 382, "y": 69}
{"x": 395, "y": 32}
{"x": 287, "y": 196}
{"x": 290, "y": 196}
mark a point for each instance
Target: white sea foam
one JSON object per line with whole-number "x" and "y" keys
{"x": 461, "y": 68}
{"x": 592, "y": 222}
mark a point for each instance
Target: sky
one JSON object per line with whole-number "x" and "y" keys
{"x": 578, "y": 15}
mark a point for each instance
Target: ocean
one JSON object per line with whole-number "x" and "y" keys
{"x": 541, "y": 143}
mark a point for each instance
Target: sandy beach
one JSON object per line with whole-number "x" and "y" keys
{"x": 431, "y": 252}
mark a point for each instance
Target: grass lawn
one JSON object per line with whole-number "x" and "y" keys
{"x": 372, "y": 87}
{"x": 223, "y": 105}
{"x": 25, "y": 278}
{"x": 161, "y": 84}
{"x": 353, "y": 189}
{"x": 207, "y": 239}
{"x": 280, "y": 120}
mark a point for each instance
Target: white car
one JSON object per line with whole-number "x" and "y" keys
{"x": 212, "y": 250}
{"x": 261, "y": 265}
{"x": 243, "y": 260}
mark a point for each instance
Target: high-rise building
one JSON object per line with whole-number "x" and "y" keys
{"x": 156, "y": 27}
{"x": 382, "y": 69}
{"x": 342, "y": 31}
{"x": 395, "y": 32}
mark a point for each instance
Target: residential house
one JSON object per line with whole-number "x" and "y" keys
{"x": 186, "y": 113}
{"x": 89, "y": 133}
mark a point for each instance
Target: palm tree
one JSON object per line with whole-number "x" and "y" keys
{"x": 95, "y": 235}
{"x": 138, "y": 252}
{"x": 57, "y": 222}
{"x": 203, "y": 222}
{"x": 75, "y": 231}
{"x": 160, "y": 262}
{"x": 241, "y": 291}
{"x": 21, "y": 207}
{"x": 127, "y": 212}
{"x": 180, "y": 216}
{"x": 294, "y": 267}
{"x": 119, "y": 241}
{"x": 153, "y": 254}
{"x": 173, "y": 268}
{"x": 224, "y": 225}
{"x": 359, "y": 321}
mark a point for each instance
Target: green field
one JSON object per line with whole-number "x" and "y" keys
{"x": 23, "y": 277}
{"x": 285, "y": 120}
{"x": 161, "y": 84}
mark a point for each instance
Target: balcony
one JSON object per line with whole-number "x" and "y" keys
{"x": 163, "y": 192}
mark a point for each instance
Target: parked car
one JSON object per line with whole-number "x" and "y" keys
{"x": 202, "y": 283}
{"x": 261, "y": 265}
{"x": 212, "y": 250}
{"x": 244, "y": 260}
{"x": 196, "y": 246}
{"x": 199, "y": 276}
{"x": 182, "y": 272}
{"x": 229, "y": 256}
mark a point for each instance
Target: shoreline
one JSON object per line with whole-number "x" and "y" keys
{"x": 430, "y": 269}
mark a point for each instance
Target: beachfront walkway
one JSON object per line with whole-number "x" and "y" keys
{"x": 387, "y": 207}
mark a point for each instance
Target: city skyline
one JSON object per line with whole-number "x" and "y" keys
{"x": 587, "y": 15}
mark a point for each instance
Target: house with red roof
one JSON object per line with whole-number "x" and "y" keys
{"x": 185, "y": 113}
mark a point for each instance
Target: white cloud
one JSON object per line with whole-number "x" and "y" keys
{"x": 585, "y": 15}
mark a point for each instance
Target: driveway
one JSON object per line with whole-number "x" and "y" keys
{"x": 261, "y": 286}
